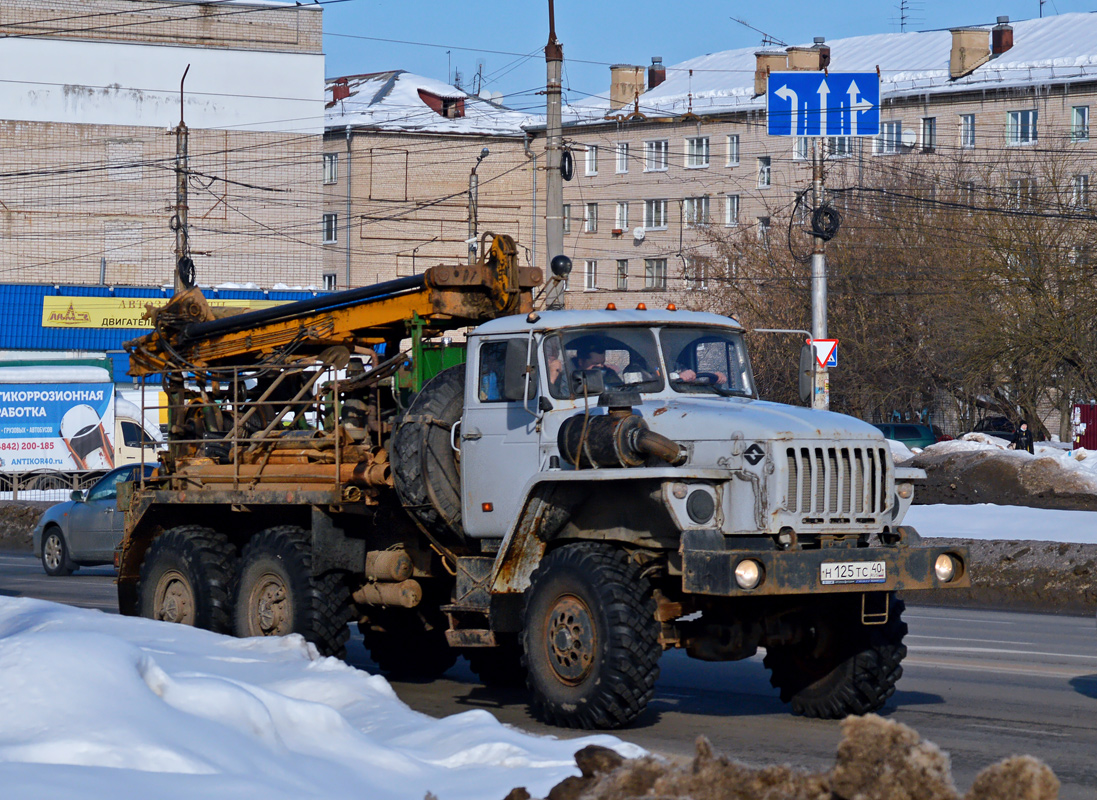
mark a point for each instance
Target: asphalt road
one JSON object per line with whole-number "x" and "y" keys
{"x": 982, "y": 685}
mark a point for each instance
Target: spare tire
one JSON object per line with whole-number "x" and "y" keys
{"x": 425, "y": 468}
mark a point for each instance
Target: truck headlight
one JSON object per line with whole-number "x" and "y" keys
{"x": 945, "y": 567}
{"x": 700, "y": 506}
{"x": 748, "y": 573}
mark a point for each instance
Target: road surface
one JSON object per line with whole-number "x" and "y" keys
{"x": 982, "y": 685}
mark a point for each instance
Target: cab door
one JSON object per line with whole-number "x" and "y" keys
{"x": 499, "y": 439}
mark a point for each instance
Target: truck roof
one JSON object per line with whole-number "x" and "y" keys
{"x": 552, "y": 320}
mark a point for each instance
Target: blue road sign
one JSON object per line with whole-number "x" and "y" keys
{"x": 818, "y": 104}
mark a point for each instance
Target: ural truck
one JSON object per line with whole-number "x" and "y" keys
{"x": 64, "y": 424}
{"x": 584, "y": 491}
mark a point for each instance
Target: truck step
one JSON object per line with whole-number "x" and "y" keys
{"x": 471, "y": 637}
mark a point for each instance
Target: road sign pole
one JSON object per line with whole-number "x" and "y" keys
{"x": 821, "y": 396}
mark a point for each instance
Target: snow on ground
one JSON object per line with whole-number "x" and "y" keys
{"x": 986, "y": 521}
{"x": 100, "y": 706}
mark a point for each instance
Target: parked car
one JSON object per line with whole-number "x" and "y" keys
{"x": 940, "y": 434}
{"x": 1002, "y": 427}
{"x": 83, "y": 531}
{"x": 909, "y": 433}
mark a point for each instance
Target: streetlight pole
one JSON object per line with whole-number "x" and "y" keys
{"x": 554, "y": 147}
{"x": 820, "y": 397}
{"x": 474, "y": 201}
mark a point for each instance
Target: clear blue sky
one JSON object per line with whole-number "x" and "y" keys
{"x": 508, "y": 37}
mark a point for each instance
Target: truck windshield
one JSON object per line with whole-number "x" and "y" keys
{"x": 706, "y": 360}
{"x": 627, "y": 357}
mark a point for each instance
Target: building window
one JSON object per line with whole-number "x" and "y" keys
{"x": 592, "y": 159}
{"x": 621, "y": 222}
{"x": 331, "y": 167}
{"x": 567, "y": 217}
{"x": 765, "y": 174}
{"x": 839, "y": 146}
{"x": 762, "y": 230}
{"x": 696, "y": 273}
{"x": 1079, "y": 124}
{"x": 890, "y": 138}
{"x": 967, "y": 195}
{"x": 590, "y": 276}
{"x": 696, "y": 210}
{"x": 733, "y": 150}
{"x": 331, "y": 282}
{"x": 1022, "y": 192}
{"x": 622, "y": 156}
{"x": 331, "y": 228}
{"x": 1021, "y": 127}
{"x": 655, "y": 155}
{"x": 801, "y": 148}
{"x": 697, "y": 152}
{"x": 622, "y": 274}
{"x": 929, "y": 134}
{"x": 590, "y": 218}
{"x": 655, "y": 214}
{"x": 731, "y": 210}
{"x": 1079, "y": 191}
{"x": 967, "y": 131}
{"x": 655, "y": 274}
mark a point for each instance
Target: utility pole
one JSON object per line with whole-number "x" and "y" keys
{"x": 554, "y": 141}
{"x": 184, "y": 266}
{"x": 474, "y": 205}
{"x": 820, "y": 397}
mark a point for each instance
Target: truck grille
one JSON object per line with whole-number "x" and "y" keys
{"x": 837, "y": 481}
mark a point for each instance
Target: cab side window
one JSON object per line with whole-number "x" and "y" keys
{"x": 492, "y": 366}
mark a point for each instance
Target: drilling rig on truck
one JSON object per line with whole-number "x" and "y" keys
{"x": 560, "y": 499}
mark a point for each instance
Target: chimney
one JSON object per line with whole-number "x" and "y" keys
{"x": 1001, "y": 36}
{"x": 657, "y": 73}
{"x": 767, "y": 61}
{"x": 801, "y": 59}
{"x": 970, "y": 49}
{"x": 625, "y": 82}
{"x": 340, "y": 90}
{"x": 824, "y": 52}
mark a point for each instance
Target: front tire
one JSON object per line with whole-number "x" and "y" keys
{"x": 55, "y": 554}
{"x": 844, "y": 666}
{"x": 276, "y": 594}
{"x": 590, "y": 638}
{"x": 185, "y": 578}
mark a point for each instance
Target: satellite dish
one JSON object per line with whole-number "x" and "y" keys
{"x": 638, "y": 233}
{"x": 497, "y": 97}
{"x": 909, "y": 138}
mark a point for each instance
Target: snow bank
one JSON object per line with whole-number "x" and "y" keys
{"x": 101, "y": 706}
{"x": 992, "y": 522}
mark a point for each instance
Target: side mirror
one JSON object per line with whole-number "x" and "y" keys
{"x": 519, "y": 372}
{"x": 591, "y": 382}
{"x": 76, "y": 495}
{"x": 807, "y": 373}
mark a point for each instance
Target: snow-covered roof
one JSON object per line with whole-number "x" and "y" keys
{"x": 398, "y": 101}
{"x": 1058, "y": 49}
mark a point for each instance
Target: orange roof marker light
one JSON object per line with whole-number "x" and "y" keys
{"x": 671, "y": 307}
{"x": 611, "y": 306}
{"x": 641, "y": 307}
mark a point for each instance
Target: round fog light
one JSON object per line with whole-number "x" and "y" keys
{"x": 748, "y": 574}
{"x": 945, "y": 567}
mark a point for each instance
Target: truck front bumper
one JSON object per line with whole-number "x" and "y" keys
{"x": 708, "y": 568}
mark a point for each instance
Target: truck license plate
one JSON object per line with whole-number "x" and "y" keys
{"x": 853, "y": 572}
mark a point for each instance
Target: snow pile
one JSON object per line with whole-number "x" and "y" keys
{"x": 101, "y": 706}
{"x": 989, "y": 522}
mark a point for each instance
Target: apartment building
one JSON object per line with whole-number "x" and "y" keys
{"x": 998, "y": 114}
{"x": 90, "y": 97}
{"x": 409, "y": 162}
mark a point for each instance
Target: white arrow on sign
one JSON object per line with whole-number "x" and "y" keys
{"x": 857, "y": 104}
{"x": 824, "y": 93}
{"x": 786, "y": 93}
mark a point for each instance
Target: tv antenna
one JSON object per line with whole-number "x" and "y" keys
{"x": 767, "y": 40}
